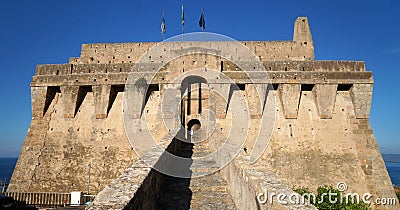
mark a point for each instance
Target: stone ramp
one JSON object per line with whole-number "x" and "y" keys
{"x": 141, "y": 187}
{"x": 205, "y": 192}
{"x": 210, "y": 192}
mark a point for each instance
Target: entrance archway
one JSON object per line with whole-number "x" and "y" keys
{"x": 192, "y": 89}
{"x": 194, "y": 125}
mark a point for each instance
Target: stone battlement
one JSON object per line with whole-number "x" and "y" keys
{"x": 130, "y": 52}
{"x": 283, "y": 66}
{"x": 301, "y": 48}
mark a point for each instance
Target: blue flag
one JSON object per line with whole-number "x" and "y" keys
{"x": 202, "y": 22}
{"x": 163, "y": 29}
{"x": 183, "y": 17}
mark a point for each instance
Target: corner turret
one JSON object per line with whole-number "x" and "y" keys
{"x": 302, "y": 39}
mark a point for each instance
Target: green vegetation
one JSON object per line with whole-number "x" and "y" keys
{"x": 321, "y": 200}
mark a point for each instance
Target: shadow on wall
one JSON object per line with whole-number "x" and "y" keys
{"x": 10, "y": 203}
{"x": 161, "y": 191}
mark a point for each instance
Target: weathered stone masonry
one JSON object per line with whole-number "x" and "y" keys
{"x": 322, "y": 135}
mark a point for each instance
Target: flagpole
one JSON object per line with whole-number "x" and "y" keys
{"x": 202, "y": 34}
{"x": 183, "y": 22}
{"x": 202, "y": 28}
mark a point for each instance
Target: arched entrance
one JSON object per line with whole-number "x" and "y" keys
{"x": 195, "y": 92}
{"x": 194, "y": 125}
{"x": 194, "y": 95}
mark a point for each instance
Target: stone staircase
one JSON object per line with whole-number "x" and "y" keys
{"x": 205, "y": 192}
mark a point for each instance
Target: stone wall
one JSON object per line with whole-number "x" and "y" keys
{"x": 317, "y": 140}
{"x": 312, "y": 149}
{"x": 138, "y": 187}
{"x": 60, "y": 145}
{"x": 247, "y": 182}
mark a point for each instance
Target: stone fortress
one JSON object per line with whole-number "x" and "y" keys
{"x": 320, "y": 136}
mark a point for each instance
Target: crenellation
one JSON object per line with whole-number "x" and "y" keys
{"x": 54, "y": 69}
{"x": 113, "y": 53}
{"x": 220, "y": 64}
{"x": 131, "y": 52}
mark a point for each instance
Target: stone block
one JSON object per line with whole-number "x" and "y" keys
{"x": 325, "y": 96}
{"x": 38, "y": 97}
{"x": 219, "y": 99}
{"x": 255, "y": 94}
{"x": 69, "y": 98}
{"x": 361, "y": 95}
{"x": 290, "y": 99}
{"x": 101, "y": 95}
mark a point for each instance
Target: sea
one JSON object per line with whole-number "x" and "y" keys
{"x": 394, "y": 172}
{"x": 7, "y": 166}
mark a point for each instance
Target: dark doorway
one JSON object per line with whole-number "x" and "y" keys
{"x": 194, "y": 124}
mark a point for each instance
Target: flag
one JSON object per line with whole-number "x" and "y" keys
{"x": 202, "y": 22}
{"x": 183, "y": 16}
{"x": 163, "y": 29}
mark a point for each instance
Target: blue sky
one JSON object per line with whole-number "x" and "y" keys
{"x": 48, "y": 31}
